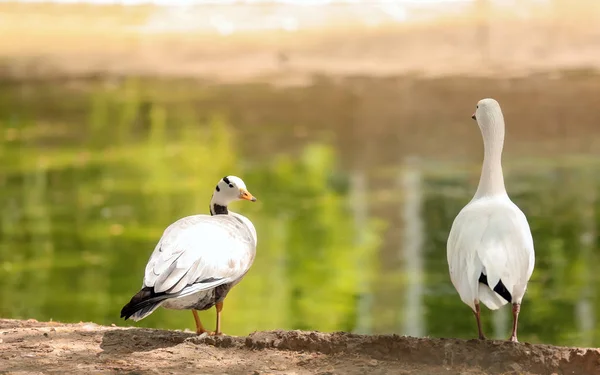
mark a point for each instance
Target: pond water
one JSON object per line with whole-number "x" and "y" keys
{"x": 352, "y": 217}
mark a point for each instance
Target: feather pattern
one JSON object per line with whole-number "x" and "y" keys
{"x": 490, "y": 236}
{"x": 199, "y": 248}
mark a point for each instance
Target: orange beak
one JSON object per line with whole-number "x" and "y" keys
{"x": 245, "y": 194}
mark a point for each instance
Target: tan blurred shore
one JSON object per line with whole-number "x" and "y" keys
{"x": 52, "y": 40}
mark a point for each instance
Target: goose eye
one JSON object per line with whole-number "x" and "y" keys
{"x": 230, "y": 185}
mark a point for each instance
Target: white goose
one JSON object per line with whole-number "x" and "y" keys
{"x": 490, "y": 248}
{"x": 199, "y": 259}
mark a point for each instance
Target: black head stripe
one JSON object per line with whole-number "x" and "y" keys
{"x": 226, "y": 180}
{"x": 218, "y": 188}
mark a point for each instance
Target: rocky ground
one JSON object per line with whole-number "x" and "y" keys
{"x": 32, "y": 347}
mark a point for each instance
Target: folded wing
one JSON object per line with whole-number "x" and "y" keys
{"x": 200, "y": 252}
{"x": 494, "y": 244}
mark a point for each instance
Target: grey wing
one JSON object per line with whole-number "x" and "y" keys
{"x": 200, "y": 252}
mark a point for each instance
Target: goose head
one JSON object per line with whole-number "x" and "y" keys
{"x": 230, "y": 189}
{"x": 488, "y": 113}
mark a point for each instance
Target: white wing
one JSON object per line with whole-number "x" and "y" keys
{"x": 490, "y": 236}
{"x": 201, "y": 252}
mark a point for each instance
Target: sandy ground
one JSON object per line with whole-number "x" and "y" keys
{"x": 32, "y": 347}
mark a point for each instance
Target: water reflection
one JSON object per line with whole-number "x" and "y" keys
{"x": 353, "y": 249}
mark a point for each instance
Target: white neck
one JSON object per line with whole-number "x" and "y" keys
{"x": 491, "y": 182}
{"x": 218, "y": 206}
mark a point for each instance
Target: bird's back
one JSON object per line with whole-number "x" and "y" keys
{"x": 201, "y": 247}
{"x": 490, "y": 236}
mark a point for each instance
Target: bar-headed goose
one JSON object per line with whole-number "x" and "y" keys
{"x": 490, "y": 248}
{"x": 199, "y": 259}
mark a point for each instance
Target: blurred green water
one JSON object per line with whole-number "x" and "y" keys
{"x": 90, "y": 180}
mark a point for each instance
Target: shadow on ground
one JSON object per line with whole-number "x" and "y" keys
{"x": 141, "y": 340}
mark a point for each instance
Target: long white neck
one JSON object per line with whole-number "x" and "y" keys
{"x": 491, "y": 182}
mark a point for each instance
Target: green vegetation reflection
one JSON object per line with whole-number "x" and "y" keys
{"x": 90, "y": 177}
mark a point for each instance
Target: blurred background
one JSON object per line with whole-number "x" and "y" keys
{"x": 349, "y": 120}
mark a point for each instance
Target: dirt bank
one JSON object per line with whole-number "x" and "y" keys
{"x": 31, "y": 347}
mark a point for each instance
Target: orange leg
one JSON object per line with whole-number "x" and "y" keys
{"x": 199, "y": 327}
{"x": 219, "y": 307}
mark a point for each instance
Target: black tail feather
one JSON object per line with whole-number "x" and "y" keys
{"x": 499, "y": 288}
{"x": 144, "y": 301}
